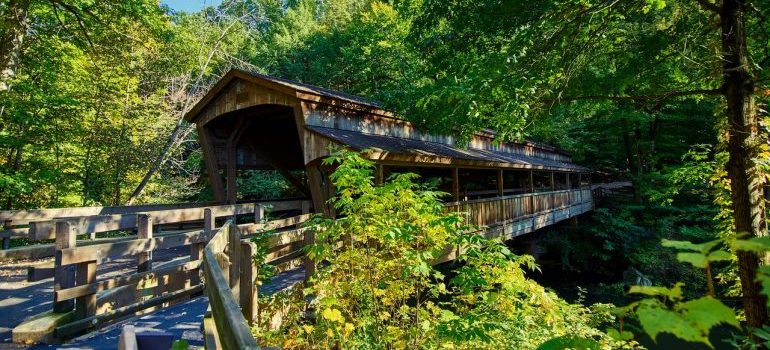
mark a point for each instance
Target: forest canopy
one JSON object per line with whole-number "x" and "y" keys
{"x": 671, "y": 95}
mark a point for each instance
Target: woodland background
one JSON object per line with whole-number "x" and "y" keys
{"x": 92, "y": 95}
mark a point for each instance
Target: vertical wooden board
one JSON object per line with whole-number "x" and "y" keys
{"x": 64, "y": 275}
{"x": 249, "y": 300}
{"x": 144, "y": 231}
{"x": 85, "y": 306}
{"x": 234, "y": 255}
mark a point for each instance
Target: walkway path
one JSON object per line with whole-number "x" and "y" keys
{"x": 20, "y": 300}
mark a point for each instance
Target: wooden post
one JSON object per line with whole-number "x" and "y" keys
{"x": 234, "y": 252}
{"x": 259, "y": 213}
{"x": 85, "y": 306}
{"x": 196, "y": 249}
{"x": 378, "y": 174}
{"x": 7, "y": 239}
{"x": 305, "y": 207}
{"x": 212, "y": 166}
{"x": 455, "y": 184}
{"x": 500, "y": 182}
{"x": 144, "y": 230}
{"x": 208, "y": 223}
{"x": 231, "y": 175}
{"x": 64, "y": 276}
{"x": 531, "y": 192}
{"x": 552, "y": 203}
{"x": 248, "y": 287}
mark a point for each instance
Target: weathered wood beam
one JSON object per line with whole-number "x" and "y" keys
{"x": 280, "y": 166}
{"x": 455, "y": 184}
{"x": 212, "y": 163}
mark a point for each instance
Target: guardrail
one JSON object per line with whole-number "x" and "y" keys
{"x": 38, "y": 224}
{"x": 231, "y": 274}
{"x": 495, "y": 210}
{"x": 92, "y": 225}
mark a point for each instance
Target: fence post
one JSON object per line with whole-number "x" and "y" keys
{"x": 248, "y": 287}
{"x": 234, "y": 243}
{"x": 144, "y": 231}
{"x": 64, "y": 275}
{"x": 196, "y": 249}
{"x": 259, "y": 213}
{"x": 7, "y": 238}
{"x": 85, "y": 306}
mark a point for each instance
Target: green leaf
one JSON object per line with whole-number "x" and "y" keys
{"x": 656, "y": 320}
{"x": 673, "y": 293}
{"x": 720, "y": 255}
{"x": 180, "y": 344}
{"x": 689, "y": 246}
{"x": 695, "y": 259}
{"x": 707, "y": 312}
{"x": 756, "y": 244}
{"x": 569, "y": 342}
{"x": 624, "y": 336}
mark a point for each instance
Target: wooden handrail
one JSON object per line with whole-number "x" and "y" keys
{"x": 40, "y": 230}
{"x": 232, "y": 328}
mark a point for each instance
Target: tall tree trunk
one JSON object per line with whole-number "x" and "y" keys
{"x": 745, "y": 180}
{"x": 633, "y": 167}
{"x": 11, "y": 39}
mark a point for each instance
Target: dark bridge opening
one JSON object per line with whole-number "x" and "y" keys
{"x": 258, "y": 154}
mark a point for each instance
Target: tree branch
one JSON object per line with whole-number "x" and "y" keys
{"x": 640, "y": 98}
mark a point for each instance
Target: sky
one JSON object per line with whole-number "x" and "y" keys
{"x": 190, "y": 5}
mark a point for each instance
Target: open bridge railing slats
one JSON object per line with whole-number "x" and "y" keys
{"x": 94, "y": 220}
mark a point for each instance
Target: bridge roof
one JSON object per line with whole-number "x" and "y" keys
{"x": 336, "y": 117}
{"x": 387, "y": 144}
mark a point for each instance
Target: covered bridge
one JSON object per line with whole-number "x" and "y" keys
{"x": 252, "y": 121}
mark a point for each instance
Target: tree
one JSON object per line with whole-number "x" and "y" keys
{"x": 641, "y": 54}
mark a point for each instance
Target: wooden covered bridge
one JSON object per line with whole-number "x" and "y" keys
{"x": 252, "y": 121}
{"x": 247, "y": 122}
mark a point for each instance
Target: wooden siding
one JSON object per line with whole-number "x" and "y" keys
{"x": 240, "y": 94}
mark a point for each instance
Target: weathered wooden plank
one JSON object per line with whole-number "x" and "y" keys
{"x": 41, "y": 230}
{"x": 232, "y": 327}
{"x": 250, "y": 229}
{"x": 249, "y": 300}
{"x": 144, "y": 231}
{"x": 127, "y": 340}
{"x": 79, "y": 325}
{"x": 64, "y": 276}
{"x": 114, "y": 216}
{"x": 23, "y": 217}
{"x": 133, "y": 247}
{"x": 85, "y": 305}
{"x": 96, "y": 287}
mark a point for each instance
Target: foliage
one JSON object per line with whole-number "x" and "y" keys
{"x": 377, "y": 287}
{"x": 690, "y": 320}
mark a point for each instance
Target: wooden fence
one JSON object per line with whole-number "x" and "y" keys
{"x": 497, "y": 210}
{"x": 39, "y": 224}
{"x": 93, "y": 301}
{"x": 231, "y": 273}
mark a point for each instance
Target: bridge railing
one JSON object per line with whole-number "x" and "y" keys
{"x": 89, "y": 300}
{"x": 40, "y": 224}
{"x": 496, "y": 210}
{"x": 231, "y": 275}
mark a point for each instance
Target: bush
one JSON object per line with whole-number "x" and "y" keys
{"x": 376, "y": 286}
